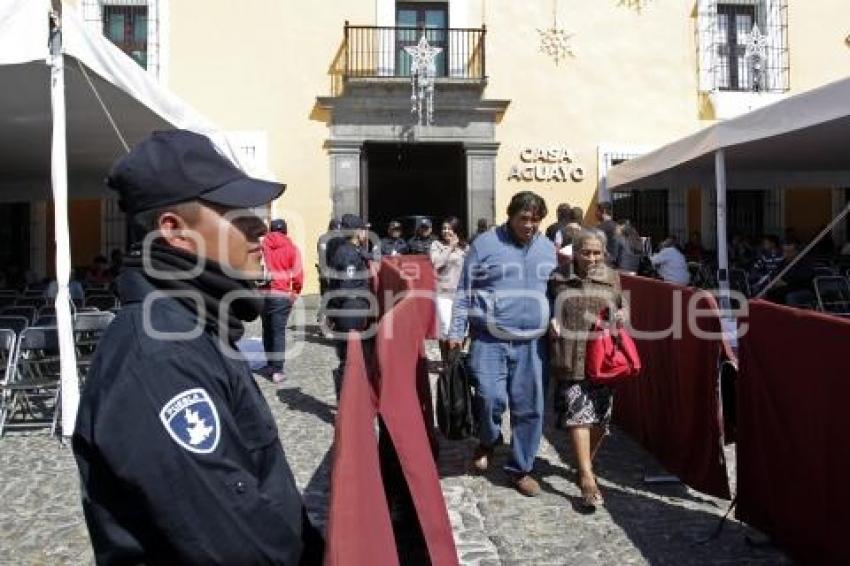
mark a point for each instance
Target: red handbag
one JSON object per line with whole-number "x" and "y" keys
{"x": 611, "y": 353}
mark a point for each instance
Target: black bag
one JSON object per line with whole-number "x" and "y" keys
{"x": 455, "y": 414}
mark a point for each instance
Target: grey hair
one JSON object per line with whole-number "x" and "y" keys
{"x": 585, "y": 235}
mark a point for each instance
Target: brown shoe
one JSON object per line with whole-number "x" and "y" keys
{"x": 526, "y": 485}
{"x": 481, "y": 459}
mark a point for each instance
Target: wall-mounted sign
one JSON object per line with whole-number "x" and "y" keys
{"x": 552, "y": 163}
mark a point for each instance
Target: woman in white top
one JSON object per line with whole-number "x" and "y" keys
{"x": 447, "y": 255}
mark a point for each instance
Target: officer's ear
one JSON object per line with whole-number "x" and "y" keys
{"x": 176, "y": 224}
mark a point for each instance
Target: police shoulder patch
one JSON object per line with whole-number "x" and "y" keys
{"x": 192, "y": 421}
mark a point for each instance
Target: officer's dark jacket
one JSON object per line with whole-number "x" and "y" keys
{"x": 420, "y": 245}
{"x": 349, "y": 268}
{"x": 390, "y": 245}
{"x": 146, "y": 497}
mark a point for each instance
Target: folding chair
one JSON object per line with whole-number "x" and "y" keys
{"x": 8, "y": 298}
{"x": 27, "y": 312}
{"x": 88, "y": 329}
{"x": 16, "y": 324}
{"x": 35, "y": 381}
{"x": 8, "y": 344}
{"x": 824, "y": 271}
{"x": 102, "y": 302}
{"x": 833, "y": 295}
{"x": 31, "y": 301}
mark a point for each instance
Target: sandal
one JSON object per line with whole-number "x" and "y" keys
{"x": 591, "y": 497}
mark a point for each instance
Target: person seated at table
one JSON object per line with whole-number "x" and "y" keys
{"x": 767, "y": 263}
{"x": 393, "y": 243}
{"x": 794, "y": 288}
{"x": 671, "y": 263}
{"x": 741, "y": 252}
{"x": 98, "y": 273}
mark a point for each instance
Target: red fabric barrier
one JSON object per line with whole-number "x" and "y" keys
{"x": 793, "y": 452}
{"x": 359, "y": 528}
{"x": 404, "y": 403}
{"x": 673, "y": 409}
{"x": 403, "y": 274}
{"x": 403, "y": 409}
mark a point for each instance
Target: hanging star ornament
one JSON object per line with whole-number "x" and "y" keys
{"x": 638, "y": 5}
{"x": 555, "y": 43}
{"x": 423, "y": 70}
{"x": 756, "y": 45}
{"x": 423, "y": 56}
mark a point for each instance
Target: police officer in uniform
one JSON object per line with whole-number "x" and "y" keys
{"x": 177, "y": 449}
{"x": 349, "y": 283}
{"x": 420, "y": 243}
{"x": 393, "y": 244}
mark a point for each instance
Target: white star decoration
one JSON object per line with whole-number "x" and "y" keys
{"x": 555, "y": 43}
{"x": 423, "y": 69}
{"x": 422, "y": 57}
{"x": 756, "y": 45}
{"x": 638, "y": 5}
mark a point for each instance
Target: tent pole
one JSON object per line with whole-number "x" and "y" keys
{"x": 69, "y": 386}
{"x": 726, "y": 319}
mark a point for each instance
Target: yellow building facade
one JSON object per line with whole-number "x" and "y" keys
{"x": 320, "y": 93}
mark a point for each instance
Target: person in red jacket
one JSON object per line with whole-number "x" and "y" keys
{"x": 283, "y": 262}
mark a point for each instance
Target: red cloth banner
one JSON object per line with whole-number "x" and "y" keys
{"x": 793, "y": 421}
{"x": 359, "y": 528}
{"x": 405, "y": 286}
{"x": 673, "y": 408}
{"x": 400, "y": 275}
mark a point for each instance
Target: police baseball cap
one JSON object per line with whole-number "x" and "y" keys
{"x": 352, "y": 222}
{"x": 425, "y": 222}
{"x": 173, "y": 166}
{"x": 394, "y": 225}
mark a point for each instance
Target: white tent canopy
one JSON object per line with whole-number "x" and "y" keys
{"x": 136, "y": 102}
{"x": 63, "y": 122}
{"x": 798, "y": 141}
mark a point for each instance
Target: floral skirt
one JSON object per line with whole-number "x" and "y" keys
{"x": 581, "y": 403}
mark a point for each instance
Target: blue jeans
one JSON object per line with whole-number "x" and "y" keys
{"x": 510, "y": 374}
{"x": 275, "y": 315}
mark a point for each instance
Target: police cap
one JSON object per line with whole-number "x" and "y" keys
{"x": 173, "y": 166}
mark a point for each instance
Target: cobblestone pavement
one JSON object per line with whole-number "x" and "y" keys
{"x": 41, "y": 520}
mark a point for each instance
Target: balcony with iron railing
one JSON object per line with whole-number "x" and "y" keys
{"x": 375, "y": 52}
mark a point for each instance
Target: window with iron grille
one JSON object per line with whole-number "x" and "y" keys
{"x": 743, "y": 45}
{"x": 647, "y": 210}
{"x": 127, "y": 27}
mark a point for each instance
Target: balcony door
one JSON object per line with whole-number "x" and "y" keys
{"x": 416, "y": 17}
{"x": 734, "y": 24}
{"x": 127, "y": 27}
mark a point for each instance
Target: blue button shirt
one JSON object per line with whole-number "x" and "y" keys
{"x": 502, "y": 288}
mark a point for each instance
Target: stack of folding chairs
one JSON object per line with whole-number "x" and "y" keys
{"x": 29, "y": 354}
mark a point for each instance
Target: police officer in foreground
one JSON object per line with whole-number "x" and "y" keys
{"x": 177, "y": 449}
{"x": 349, "y": 286}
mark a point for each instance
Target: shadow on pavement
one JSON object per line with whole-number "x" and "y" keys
{"x": 297, "y": 400}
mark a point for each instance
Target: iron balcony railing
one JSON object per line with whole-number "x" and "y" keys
{"x": 373, "y": 51}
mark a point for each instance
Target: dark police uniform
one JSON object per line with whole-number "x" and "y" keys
{"x": 177, "y": 448}
{"x": 350, "y": 283}
{"x": 419, "y": 245}
{"x": 393, "y": 246}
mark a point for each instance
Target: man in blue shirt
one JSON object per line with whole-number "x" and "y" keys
{"x": 502, "y": 297}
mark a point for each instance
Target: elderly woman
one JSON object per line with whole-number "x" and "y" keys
{"x": 580, "y": 291}
{"x": 447, "y": 255}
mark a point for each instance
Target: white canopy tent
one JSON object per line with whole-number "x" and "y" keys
{"x": 64, "y": 119}
{"x": 800, "y": 141}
